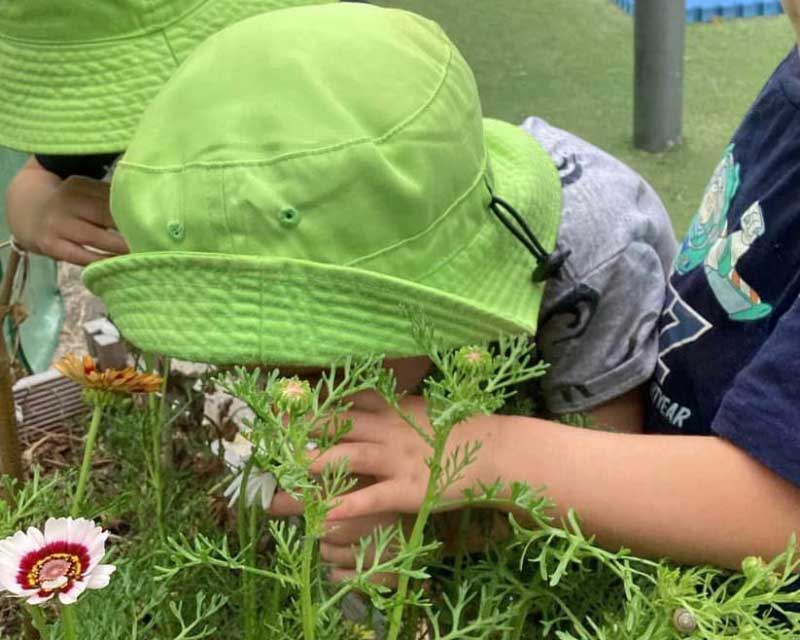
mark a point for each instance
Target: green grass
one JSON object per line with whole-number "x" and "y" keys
{"x": 574, "y": 68}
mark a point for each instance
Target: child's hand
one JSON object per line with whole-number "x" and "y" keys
{"x": 339, "y": 546}
{"x": 61, "y": 218}
{"x": 384, "y": 446}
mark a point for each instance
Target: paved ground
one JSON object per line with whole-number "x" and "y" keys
{"x": 81, "y": 306}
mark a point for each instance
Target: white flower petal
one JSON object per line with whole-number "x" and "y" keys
{"x": 240, "y": 445}
{"x": 37, "y": 599}
{"x": 81, "y": 531}
{"x": 52, "y": 585}
{"x": 101, "y": 576}
{"x": 71, "y": 596}
{"x": 18, "y": 590}
{"x": 268, "y": 486}
{"x": 36, "y": 536}
{"x": 214, "y": 446}
{"x": 9, "y": 563}
{"x": 18, "y": 545}
{"x": 8, "y": 580}
{"x": 232, "y": 490}
{"x": 86, "y": 532}
{"x": 95, "y": 557}
{"x": 97, "y": 549}
{"x": 56, "y": 529}
{"x": 253, "y": 487}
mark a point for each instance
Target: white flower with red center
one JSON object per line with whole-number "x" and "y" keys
{"x": 62, "y": 561}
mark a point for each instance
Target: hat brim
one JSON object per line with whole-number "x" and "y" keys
{"x": 88, "y": 98}
{"x": 228, "y": 309}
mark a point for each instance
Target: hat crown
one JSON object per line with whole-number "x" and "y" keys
{"x": 335, "y": 134}
{"x": 82, "y": 21}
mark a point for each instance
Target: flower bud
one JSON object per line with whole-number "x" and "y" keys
{"x": 292, "y": 395}
{"x": 476, "y": 362}
{"x": 752, "y": 567}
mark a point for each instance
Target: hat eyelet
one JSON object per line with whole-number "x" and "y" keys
{"x": 289, "y": 217}
{"x": 176, "y": 230}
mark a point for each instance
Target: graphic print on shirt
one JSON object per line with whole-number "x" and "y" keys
{"x": 711, "y": 219}
{"x": 680, "y": 325}
{"x": 708, "y": 243}
{"x": 739, "y": 299}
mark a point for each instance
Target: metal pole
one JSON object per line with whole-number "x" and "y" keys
{"x": 659, "y": 35}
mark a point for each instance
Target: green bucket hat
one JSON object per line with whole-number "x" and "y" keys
{"x": 283, "y": 202}
{"x": 76, "y": 75}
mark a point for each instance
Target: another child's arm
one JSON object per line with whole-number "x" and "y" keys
{"x": 60, "y": 218}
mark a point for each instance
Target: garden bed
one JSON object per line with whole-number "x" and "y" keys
{"x": 190, "y": 564}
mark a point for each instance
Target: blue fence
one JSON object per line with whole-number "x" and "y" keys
{"x": 705, "y": 10}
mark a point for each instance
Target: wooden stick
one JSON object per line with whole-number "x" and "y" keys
{"x": 10, "y": 459}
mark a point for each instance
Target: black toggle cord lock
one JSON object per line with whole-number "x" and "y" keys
{"x": 548, "y": 264}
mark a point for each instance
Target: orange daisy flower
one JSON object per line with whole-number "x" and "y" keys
{"x": 85, "y": 373}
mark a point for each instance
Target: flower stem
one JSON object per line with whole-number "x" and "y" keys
{"x": 68, "y": 622}
{"x": 251, "y": 600}
{"x": 417, "y": 533}
{"x": 463, "y": 526}
{"x": 157, "y": 436}
{"x": 244, "y": 527}
{"x": 38, "y": 621}
{"x": 86, "y": 466}
{"x": 306, "y": 603}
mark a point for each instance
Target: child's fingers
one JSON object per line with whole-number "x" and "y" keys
{"x": 366, "y": 427}
{"x": 344, "y": 532}
{"x": 362, "y": 458}
{"x": 95, "y": 211}
{"x": 343, "y": 556}
{"x": 98, "y": 189}
{"x": 67, "y": 251}
{"x": 377, "y": 498}
{"x": 284, "y": 505}
{"x": 88, "y": 234}
{"x": 341, "y": 575}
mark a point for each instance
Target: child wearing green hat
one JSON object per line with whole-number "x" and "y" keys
{"x": 74, "y": 80}
{"x": 727, "y": 366}
{"x": 286, "y": 220}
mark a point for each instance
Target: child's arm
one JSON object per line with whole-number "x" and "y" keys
{"x": 61, "y": 218}
{"x": 341, "y": 541}
{"x": 695, "y": 499}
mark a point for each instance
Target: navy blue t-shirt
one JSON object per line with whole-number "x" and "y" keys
{"x": 729, "y": 350}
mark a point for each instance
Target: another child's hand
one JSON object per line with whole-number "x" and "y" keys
{"x": 61, "y": 219}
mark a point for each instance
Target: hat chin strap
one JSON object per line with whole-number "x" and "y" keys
{"x": 548, "y": 264}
